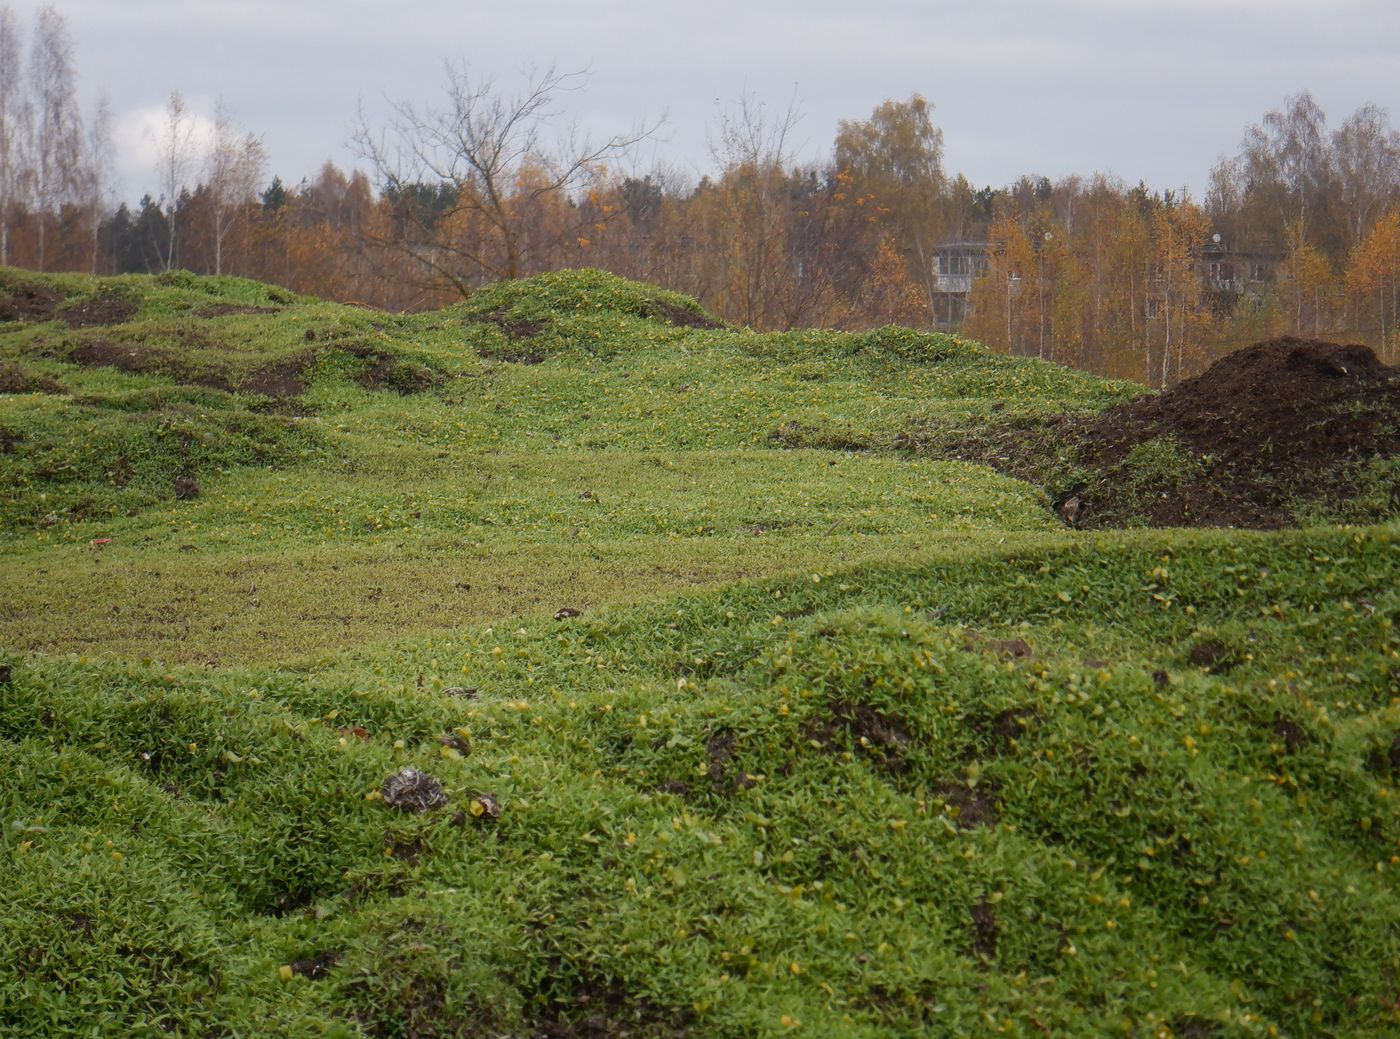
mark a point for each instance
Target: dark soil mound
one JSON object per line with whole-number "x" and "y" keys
{"x": 14, "y": 379}
{"x": 1282, "y": 431}
{"x": 25, "y": 302}
{"x": 1261, "y": 430}
{"x": 1292, "y": 404}
{"x": 674, "y": 314}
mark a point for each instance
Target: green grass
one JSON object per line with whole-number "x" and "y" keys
{"x": 845, "y": 742}
{"x": 639, "y": 456}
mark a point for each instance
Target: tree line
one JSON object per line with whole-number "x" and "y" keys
{"x": 1299, "y": 231}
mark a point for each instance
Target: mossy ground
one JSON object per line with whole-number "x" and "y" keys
{"x": 921, "y": 761}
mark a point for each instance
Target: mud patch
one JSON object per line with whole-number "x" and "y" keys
{"x": 1006, "y": 649}
{"x": 519, "y": 333}
{"x": 125, "y": 357}
{"x": 1190, "y": 1027}
{"x": 514, "y": 328}
{"x": 1385, "y": 761}
{"x": 277, "y": 380}
{"x": 1290, "y": 734}
{"x": 1004, "y": 729}
{"x": 408, "y": 850}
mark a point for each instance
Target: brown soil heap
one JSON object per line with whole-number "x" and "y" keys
{"x": 1268, "y": 426}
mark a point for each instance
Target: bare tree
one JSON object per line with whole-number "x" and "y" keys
{"x": 96, "y": 163}
{"x": 753, "y": 148}
{"x": 175, "y": 149}
{"x": 58, "y": 128}
{"x": 467, "y": 174}
{"x": 1286, "y": 163}
{"x": 1366, "y": 156}
{"x": 14, "y": 125}
{"x": 233, "y": 171}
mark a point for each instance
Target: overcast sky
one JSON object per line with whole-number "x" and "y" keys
{"x": 1144, "y": 89}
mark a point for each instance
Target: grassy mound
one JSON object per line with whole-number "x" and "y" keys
{"x": 1133, "y": 787}
{"x": 564, "y": 664}
{"x": 296, "y": 475}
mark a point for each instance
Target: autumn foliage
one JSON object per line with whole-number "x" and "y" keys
{"x": 1299, "y": 233}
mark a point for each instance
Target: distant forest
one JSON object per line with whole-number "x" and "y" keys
{"x": 1299, "y": 231}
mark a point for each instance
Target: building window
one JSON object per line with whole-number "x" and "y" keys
{"x": 1256, "y": 272}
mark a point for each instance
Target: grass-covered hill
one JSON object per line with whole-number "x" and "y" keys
{"x": 833, "y": 735}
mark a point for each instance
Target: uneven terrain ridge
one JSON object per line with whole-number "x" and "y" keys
{"x": 804, "y": 684}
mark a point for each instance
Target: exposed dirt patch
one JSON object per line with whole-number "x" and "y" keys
{"x": 107, "y": 308}
{"x": 969, "y": 806}
{"x": 518, "y": 333}
{"x": 984, "y": 929}
{"x": 229, "y": 309}
{"x": 125, "y": 357}
{"x": 1385, "y": 761}
{"x": 279, "y": 380}
{"x": 1005, "y": 728}
{"x": 1289, "y": 733}
{"x": 1184, "y": 1027}
{"x": 186, "y": 487}
{"x": 597, "y": 1010}
{"x": 515, "y": 328}
{"x": 317, "y": 966}
{"x": 674, "y": 314}
{"x": 1006, "y": 649}
{"x": 722, "y": 748}
{"x": 404, "y": 849}
{"x": 876, "y": 734}
{"x": 1282, "y": 423}
{"x": 14, "y": 379}
{"x": 1214, "y": 656}
{"x": 27, "y": 302}
{"x": 387, "y": 372}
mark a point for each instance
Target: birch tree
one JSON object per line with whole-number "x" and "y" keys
{"x": 232, "y": 173}
{"x": 14, "y": 120}
{"x": 58, "y": 129}
{"x": 175, "y": 151}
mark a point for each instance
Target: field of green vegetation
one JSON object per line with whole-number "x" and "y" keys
{"x": 736, "y": 708}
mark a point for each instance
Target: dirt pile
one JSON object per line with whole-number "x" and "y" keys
{"x": 1285, "y": 431}
{"x": 1263, "y": 431}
